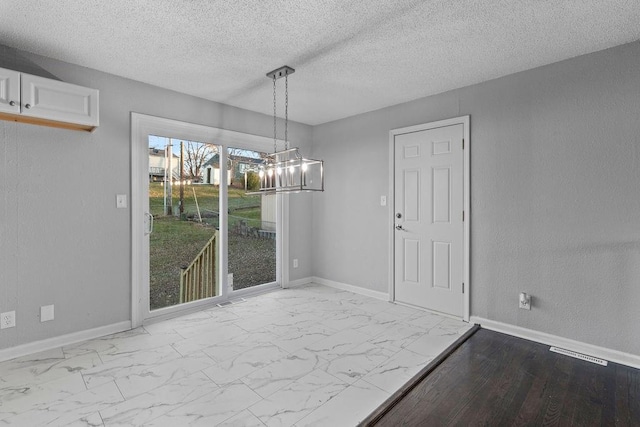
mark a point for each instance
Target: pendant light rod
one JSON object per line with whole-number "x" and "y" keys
{"x": 280, "y": 72}
{"x": 274, "y": 75}
{"x": 286, "y": 171}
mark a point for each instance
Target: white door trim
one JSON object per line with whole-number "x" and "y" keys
{"x": 463, "y": 120}
{"x": 141, "y": 126}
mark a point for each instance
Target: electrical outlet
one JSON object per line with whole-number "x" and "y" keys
{"x": 383, "y": 200}
{"x": 46, "y": 313}
{"x": 7, "y": 320}
{"x": 524, "y": 301}
{"x": 295, "y": 263}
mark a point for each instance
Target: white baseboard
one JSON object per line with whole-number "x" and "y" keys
{"x": 62, "y": 340}
{"x": 298, "y": 282}
{"x": 350, "y": 288}
{"x": 554, "y": 340}
{"x": 255, "y": 291}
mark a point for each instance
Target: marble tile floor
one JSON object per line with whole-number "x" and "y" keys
{"x": 307, "y": 356}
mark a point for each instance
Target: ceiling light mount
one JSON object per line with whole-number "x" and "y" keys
{"x": 280, "y": 72}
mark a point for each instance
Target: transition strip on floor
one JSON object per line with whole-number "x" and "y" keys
{"x": 396, "y": 397}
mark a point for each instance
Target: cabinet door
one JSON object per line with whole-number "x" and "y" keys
{"x": 55, "y": 100}
{"x": 9, "y": 91}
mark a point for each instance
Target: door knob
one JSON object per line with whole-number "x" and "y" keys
{"x": 27, "y": 106}
{"x": 399, "y": 227}
{"x": 398, "y": 215}
{"x": 12, "y": 103}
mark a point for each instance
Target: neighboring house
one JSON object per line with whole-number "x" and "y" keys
{"x": 158, "y": 165}
{"x": 210, "y": 171}
{"x": 237, "y": 167}
{"x": 242, "y": 164}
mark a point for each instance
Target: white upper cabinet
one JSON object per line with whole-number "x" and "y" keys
{"x": 9, "y": 91}
{"x": 38, "y": 100}
{"x": 59, "y": 101}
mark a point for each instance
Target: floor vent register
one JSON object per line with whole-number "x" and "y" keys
{"x": 579, "y": 356}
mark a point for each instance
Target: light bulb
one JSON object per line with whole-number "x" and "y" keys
{"x": 261, "y": 173}
{"x": 270, "y": 172}
{"x": 304, "y": 166}
{"x": 279, "y": 171}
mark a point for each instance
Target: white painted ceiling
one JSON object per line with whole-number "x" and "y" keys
{"x": 350, "y": 56}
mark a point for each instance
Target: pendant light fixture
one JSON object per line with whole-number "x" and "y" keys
{"x": 287, "y": 171}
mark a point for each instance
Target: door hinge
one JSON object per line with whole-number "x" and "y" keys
{"x": 462, "y": 216}
{"x": 463, "y": 143}
{"x": 463, "y": 288}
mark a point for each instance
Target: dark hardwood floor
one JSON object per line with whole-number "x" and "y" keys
{"x": 494, "y": 379}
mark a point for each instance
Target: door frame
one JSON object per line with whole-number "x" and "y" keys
{"x": 466, "y": 183}
{"x": 142, "y": 125}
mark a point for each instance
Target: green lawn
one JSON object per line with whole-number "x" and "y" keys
{"x": 208, "y": 197}
{"x": 174, "y": 242}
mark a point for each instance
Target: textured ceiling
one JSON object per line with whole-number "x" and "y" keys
{"x": 350, "y": 56}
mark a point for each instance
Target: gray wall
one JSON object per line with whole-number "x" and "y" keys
{"x": 62, "y": 241}
{"x": 555, "y": 198}
{"x": 555, "y": 169}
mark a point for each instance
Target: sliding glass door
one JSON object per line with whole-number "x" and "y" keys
{"x": 252, "y": 231}
{"x": 183, "y": 245}
{"x": 200, "y": 235}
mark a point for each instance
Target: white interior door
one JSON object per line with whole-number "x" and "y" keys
{"x": 429, "y": 228}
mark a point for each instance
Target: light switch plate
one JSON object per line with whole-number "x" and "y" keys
{"x": 121, "y": 201}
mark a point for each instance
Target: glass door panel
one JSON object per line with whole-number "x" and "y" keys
{"x": 251, "y": 223}
{"x": 184, "y": 200}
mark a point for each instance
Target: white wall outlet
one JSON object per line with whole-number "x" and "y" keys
{"x": 525, "y": 301}
{"x": 46, "y": 313}
{"x": 383, "y": 200}
{"x": 295, "y": 263}
{"x": 7, "y": 320}
{"x": 121, "y": 201}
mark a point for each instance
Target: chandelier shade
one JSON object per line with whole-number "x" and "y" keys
{"x": 288, "y": 172}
